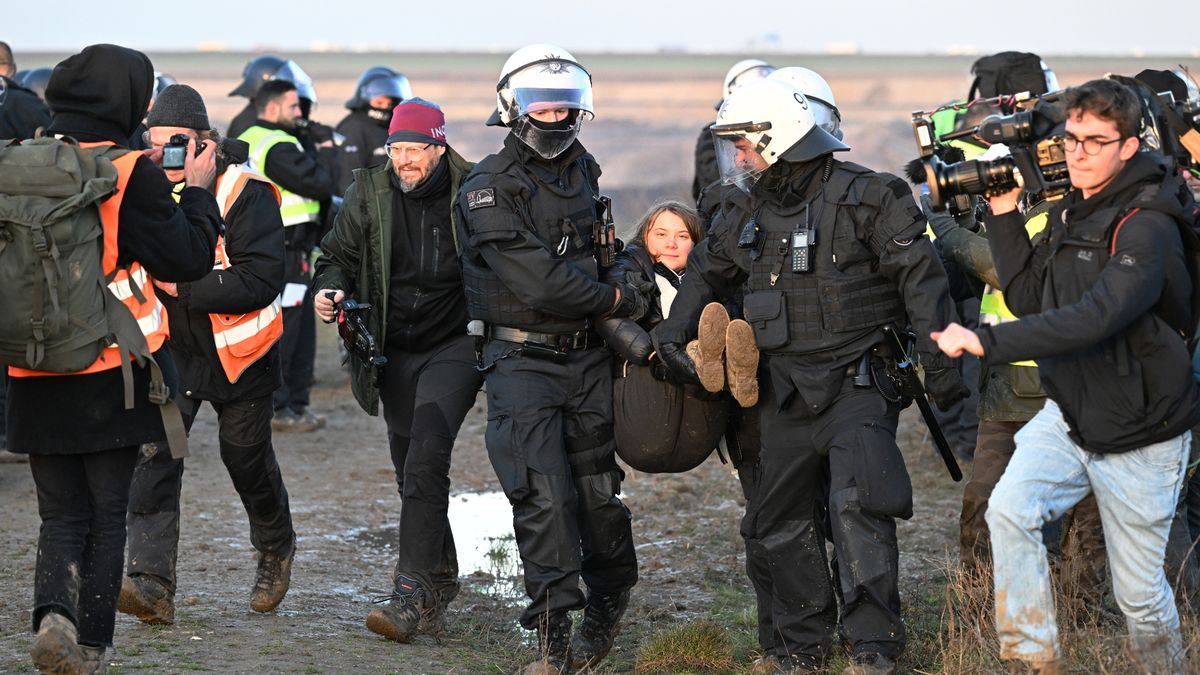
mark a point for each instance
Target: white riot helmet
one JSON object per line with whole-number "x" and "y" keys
{"x": 817, "y": 91}
{"x": 775, "y": 121}
{"x": 744, "y": 72}
{"x": 543, "y": 77}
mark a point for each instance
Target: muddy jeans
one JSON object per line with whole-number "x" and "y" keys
{"x": 81, "y": 500}
{"x": 1078, "y": 542}
{"x": 1136, "y": 491}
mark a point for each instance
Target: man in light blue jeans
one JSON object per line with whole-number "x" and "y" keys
{"x": 1105, "y": 302}
{"x": 1136, "y": 492}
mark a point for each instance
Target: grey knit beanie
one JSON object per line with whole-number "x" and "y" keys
{"x": 179, "y": 106}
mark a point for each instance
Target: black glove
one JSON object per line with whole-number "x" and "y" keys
{"x": 945, "y": 387}
{"x": 679, "y": 365}
{"x": 941, "y": 222}
{"x": 632, "y": 303}
{"x": 317, "y": 132}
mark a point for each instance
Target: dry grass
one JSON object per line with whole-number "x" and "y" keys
{"x": 693, "y": 647}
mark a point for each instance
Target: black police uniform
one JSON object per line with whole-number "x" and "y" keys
{"x": 826, "y": 444}
{"x": 363, "y": 147}
{"x": 530, "y": 273}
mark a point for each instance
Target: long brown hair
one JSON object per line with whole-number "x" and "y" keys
{"x": 689, "y": 216}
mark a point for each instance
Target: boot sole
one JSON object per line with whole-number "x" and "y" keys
{"x": 159, "y": 613}
{"x": 710, "y": 347}
{"x": 378, "y": 623}
{"x": 56, "y": 653}
{"x": 741, "y": 359}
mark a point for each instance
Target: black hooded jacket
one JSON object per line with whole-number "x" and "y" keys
{"x": 21, "y": 111}
{"x": 101, "y": 95}
{"x": 1104, "y": 327}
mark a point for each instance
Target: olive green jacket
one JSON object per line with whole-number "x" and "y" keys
{"x": 356, "y": 257}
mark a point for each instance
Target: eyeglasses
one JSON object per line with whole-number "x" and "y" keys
{"x": 151, "y": 144}
{"x": 1091, "y": 146}
{"x": 403, "y": 153}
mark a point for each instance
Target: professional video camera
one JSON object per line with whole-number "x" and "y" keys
{"x": 1031, "y": 129}
{"x": 1171, "y": 114}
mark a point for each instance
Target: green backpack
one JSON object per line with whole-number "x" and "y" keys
{"x": 59, "y": 314}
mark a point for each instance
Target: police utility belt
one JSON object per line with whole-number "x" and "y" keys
{"x": 553, "y": 346}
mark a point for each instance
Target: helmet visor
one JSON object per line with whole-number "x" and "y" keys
{"x": 738, "y": 160}
{"x": 396, "y": 87}
{"x": 551, "y": 85}
{"x": 747, "y": 76}
{"x": 292, "y": 72}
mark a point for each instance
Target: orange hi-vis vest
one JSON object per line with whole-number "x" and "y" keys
{"x": 242, "y": 339}
{"x": 131, "y": 285}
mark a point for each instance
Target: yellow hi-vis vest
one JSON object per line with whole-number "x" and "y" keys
{"x": 242, "y": 339}
{"x": 293, "y": 208}
{"x": 992, "y": 310}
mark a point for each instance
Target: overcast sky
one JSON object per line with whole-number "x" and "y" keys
{"x": 871, "y": 26}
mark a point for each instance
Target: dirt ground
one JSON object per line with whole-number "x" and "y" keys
{"x": 340, "y": 480}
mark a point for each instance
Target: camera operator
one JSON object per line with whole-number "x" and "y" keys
{"x": 1103, "y": 302}
{"x": 303, "y": 182}
{"x": 223, "y": 333}
{"x": 419, "y": 316}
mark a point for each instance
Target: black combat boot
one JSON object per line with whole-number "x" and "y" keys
{"x": 410, "y": 609}
{"x": 554, "y": 645}
{"x": 600, "y": 625}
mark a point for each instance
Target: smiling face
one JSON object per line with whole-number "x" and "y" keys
{"x": 414, "y": 162}
{"x": 668, "y": 241}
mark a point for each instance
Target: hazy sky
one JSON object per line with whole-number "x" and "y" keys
{"x": 873, "y": 26}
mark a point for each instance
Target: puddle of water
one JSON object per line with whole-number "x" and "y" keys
{"x": 483, "y": 534}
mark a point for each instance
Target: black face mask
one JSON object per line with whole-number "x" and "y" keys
{"x": 382, "y": 115}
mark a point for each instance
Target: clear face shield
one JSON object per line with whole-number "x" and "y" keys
{"x": 738, "y": 149}
{"x": 826, "y": 117}
{"x": 292, "y": 72}
{"x": 395, "y": 87}
{"x": 1051, "y": 78}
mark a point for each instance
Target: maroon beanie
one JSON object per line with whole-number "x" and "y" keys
{"x": 417, "y": 121}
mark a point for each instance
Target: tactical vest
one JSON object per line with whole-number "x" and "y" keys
{"x": 293, "y": 208}
{"x": 242, "y": 339}
{"x": 562, "y": 220}
{"x": 842, "y": 297}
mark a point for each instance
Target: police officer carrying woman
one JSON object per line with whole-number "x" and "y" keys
{"x": 527, "y": 215}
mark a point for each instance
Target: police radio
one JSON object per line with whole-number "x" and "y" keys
{"x": 804, "y": 237}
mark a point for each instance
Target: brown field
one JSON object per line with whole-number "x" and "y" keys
{"x": 650, "y": 110}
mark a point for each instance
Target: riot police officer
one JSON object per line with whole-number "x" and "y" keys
{"x": 706, "y": 175}
{"x": 527, "y": 218}
{"x": 378, "y": 91}
{"x": 831, "y": 253}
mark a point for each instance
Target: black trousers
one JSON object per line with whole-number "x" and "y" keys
{"x": 244, "y": 436}
{"x": 549, "y": 437}
{"x": 81, "y": 500}
{"x": 844, "y": 460}
{"x": 298, "y": 345}
{"x": 425, "y": 397}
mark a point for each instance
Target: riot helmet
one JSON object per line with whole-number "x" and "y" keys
{"x": 258, "y": 70}
{"x": 379, "y": 81}
{"x": 35, "y": 80}
{"x": 774, "y": 121}
{"x": 817, "y": 91}
{"x": 744, "y": 72}
{"x": 537, "y": 78}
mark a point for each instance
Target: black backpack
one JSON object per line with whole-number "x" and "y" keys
{"x": 1007, "y": 73}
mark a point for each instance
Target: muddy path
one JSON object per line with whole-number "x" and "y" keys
{"x": 345, "y": 505}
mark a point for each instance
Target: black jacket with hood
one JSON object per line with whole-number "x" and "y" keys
{"x": 21, "y": 111}
{"x": 101, "y": 95}
{"x": 1104, "y": 328}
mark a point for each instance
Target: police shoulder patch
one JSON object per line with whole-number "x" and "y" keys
{"x": 478, "y": 199}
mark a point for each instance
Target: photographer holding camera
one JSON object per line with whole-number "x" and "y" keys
{"x": 1103, "y": 301}
{"x": 223, "y": 333}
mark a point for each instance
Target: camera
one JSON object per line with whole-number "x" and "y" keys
{"x": 1030, "y": 127}
{"x": 174, "y": 155}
